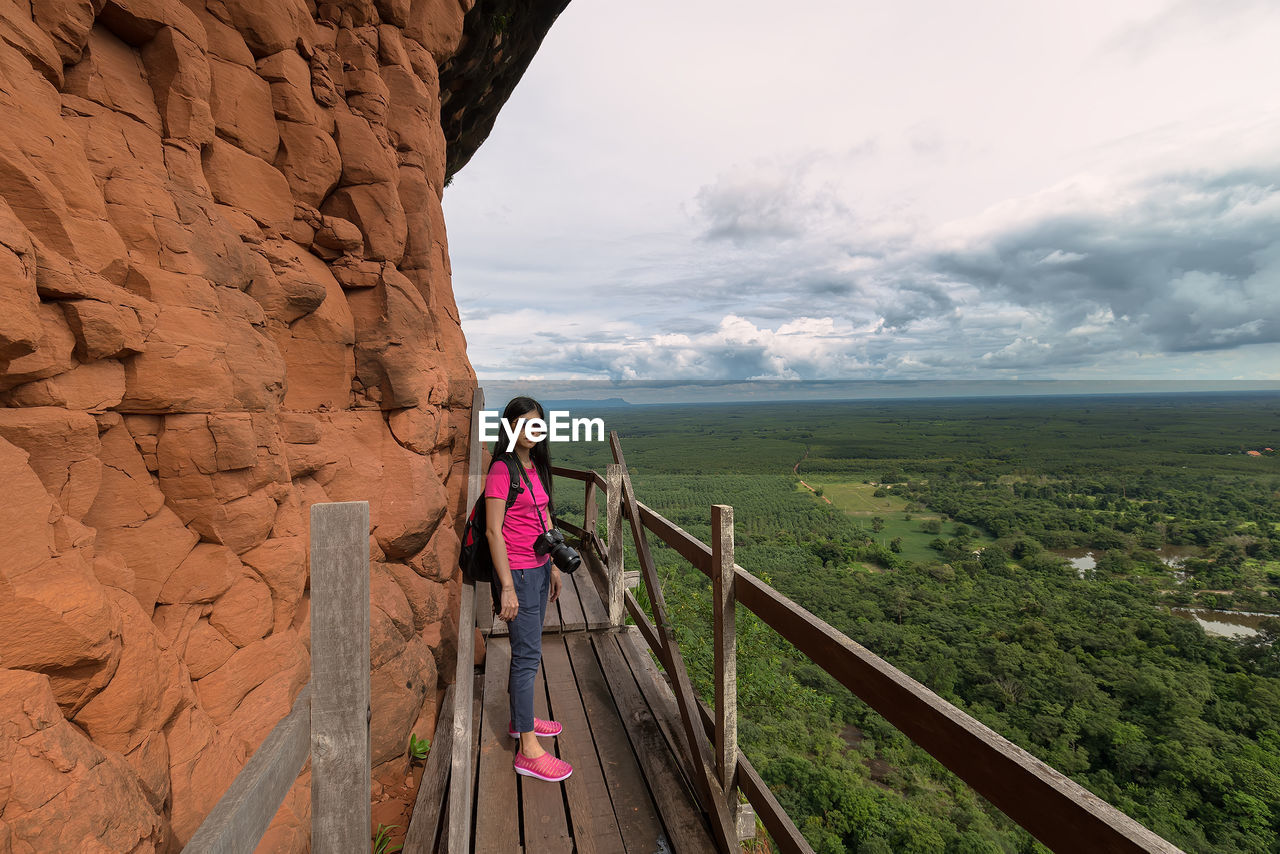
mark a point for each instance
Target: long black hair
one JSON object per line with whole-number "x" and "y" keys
{"x": 540, "y": 453}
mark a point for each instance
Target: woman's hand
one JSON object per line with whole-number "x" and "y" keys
{"x": 555, "y": 584}
{"x": 510, "y": 605}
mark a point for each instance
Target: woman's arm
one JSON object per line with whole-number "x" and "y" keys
{"x": 495, "y": 511}
{"x": 556, "y": 581}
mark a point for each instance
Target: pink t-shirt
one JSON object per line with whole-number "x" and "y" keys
{"x": 521, "y": 527}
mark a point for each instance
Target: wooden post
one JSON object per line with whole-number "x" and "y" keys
{"x": 613, "y": 529}
{"x": 341, "y": 787}
{"x": 725, "y": 652}
{"x": 590, "y": 510}
{"x": 458, "y": 836}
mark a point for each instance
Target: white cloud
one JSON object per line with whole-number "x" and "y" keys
{"x": 852, "y": 190}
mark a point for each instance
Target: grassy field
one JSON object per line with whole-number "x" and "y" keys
{"x": 858, "y": 500}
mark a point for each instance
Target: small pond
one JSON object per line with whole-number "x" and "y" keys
{"x": 1082, "y": 559}
{"x": 1224, "y": 624}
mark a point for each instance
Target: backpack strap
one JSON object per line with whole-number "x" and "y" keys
{"x": 514, "y": 490}
{"x": 516, "y": 469}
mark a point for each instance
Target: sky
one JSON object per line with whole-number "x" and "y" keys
{"x": 711, "y": 190}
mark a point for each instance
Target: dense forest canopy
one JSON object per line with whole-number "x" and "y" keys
{"x": 929, "y": 531}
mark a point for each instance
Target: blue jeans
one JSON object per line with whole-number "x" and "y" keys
{"x": 532, "y": 588}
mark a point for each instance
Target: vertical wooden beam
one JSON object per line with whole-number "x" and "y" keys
{"x": 460, "y": 775}
{"x": 725, "y": 652}
{"x": 591, "y": 510}
{"x": 341, "y": 787}
{"x": 613, "y": 529}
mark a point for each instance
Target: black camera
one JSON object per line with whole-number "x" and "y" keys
{"x": 552, "y": 543}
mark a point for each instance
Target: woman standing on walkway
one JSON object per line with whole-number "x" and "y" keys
{"x": 528, "y": 580}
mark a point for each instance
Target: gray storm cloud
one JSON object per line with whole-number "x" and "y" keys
{"x": 1175, "y": 263}
{"x": 1190, "y": 261}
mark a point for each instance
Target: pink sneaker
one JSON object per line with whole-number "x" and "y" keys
{"x": 545, "y": 767}
{"x": 540, "y": 728}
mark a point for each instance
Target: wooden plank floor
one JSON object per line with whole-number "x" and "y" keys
{"x": 579, "y": 607}
{"x": 628, "y": 792}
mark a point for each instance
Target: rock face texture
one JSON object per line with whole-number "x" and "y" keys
{"x": 224, "y": 296}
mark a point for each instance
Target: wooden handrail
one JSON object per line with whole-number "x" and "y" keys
{"x": 1052, "y": 807}
{"x": 567, "y": 526}
{"x": 587, "y": 476}
{"x": 246, "y": 808}
{"x": 429, "y": 805}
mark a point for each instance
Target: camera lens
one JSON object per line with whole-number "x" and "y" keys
{"x": 566, "y": 558}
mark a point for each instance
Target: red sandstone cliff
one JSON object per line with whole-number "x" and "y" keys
{"x": 224, "y": 296}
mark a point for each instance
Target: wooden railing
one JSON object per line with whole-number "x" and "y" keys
{"x": 449, "y": 786}
{"x": 1059, "y": 812}
{"x": 329, "y": 721}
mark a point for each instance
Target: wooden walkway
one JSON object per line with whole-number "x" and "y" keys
{"x": 629, "y": 791}
{"x": 579, "y": 607}
{"x": 656, "y": 769}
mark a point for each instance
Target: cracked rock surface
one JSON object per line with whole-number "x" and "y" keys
{"x": 225, "y": 296}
